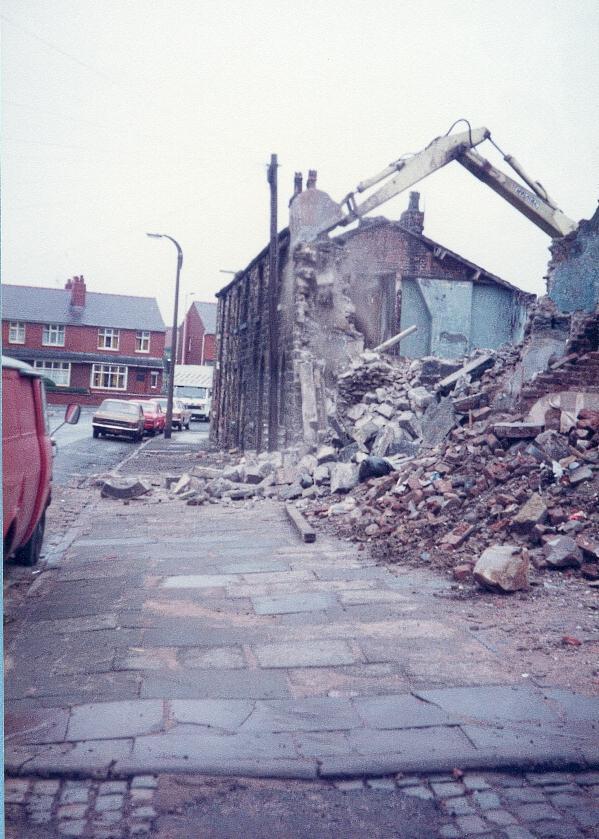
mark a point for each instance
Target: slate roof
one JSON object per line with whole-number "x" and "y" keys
{"x": 52, "y": 305}
{"x": 207, "y": 311}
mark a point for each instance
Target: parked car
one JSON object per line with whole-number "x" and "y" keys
{"x": 27, "y": 460}
{"x": 118, "y": 417}
{"x": 154, "y": 420}
{"x": 181, "y": 414}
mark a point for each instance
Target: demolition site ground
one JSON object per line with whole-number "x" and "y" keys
{"x": 194, "y": 669}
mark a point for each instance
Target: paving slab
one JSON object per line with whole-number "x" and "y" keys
{"x": 107, "y": 720}
{"x": 301, "y": 602}
{"x": 315, "y": 654}
{"x": 226, "y": 714}
{"x": 401, "y": 711}
{"x": 317, "y": 715}
{"x": 40, "y": 726}
{"x": 200, "y": 581}
{"x": 497, "y": 703}
{"x": 216, "y": 684}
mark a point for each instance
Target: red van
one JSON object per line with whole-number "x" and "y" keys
{"x": 26, "y": 459}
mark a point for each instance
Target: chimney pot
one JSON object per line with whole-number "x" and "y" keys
{"x": 311, "y": 182}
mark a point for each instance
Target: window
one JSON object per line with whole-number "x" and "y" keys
{"x": 142, "y": 341}
{"x": 140, "y": 376}
{"x": 53, "y": 335}
{"x": 16, "y": 332}
{"x": 108, "y": 338}
{"x": 109, "y": 377}
{"x": 58, "y": 371}
{"x": 154, "y": 379}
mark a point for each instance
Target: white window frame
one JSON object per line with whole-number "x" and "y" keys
{"x": 53, "y": 335}
{"x": 154, "y": 379}
{"x": 109, "y": 338}
{"x": 142, "y": 341}
{"x": 53, "y": 369}
{"x": 16, "y": 332}
{"x": 108, "y": 370}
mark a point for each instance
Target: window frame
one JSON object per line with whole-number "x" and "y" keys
{"x": 52, "y": 331}
{"x": 109, "y": 370}
{"x": 109, "y": 333}
{"x": 141, "y": 336}
{"x": 47, "y": 364}
{"x": 19, "y": 327}
{"x": 154, "y": 379}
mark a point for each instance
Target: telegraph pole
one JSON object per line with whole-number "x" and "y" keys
{"x": 273, "y": 300}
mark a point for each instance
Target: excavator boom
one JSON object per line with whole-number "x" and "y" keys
{"x": 405, "y": 172}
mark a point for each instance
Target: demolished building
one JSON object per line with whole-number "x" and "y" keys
{"x": 336, "y": 297}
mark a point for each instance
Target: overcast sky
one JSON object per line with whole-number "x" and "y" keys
{"x": 126, "y": 116}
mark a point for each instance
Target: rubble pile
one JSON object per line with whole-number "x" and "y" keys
{"x": 493, "y": 482}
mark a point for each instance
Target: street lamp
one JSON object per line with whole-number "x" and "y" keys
{"x": 171, "y": 379}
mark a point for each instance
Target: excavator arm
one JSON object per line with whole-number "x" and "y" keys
{"x": 534, "y": 203}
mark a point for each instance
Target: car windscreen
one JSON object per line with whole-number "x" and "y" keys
{"x": 119, "y": 407}
{"x": 191, "y": 392}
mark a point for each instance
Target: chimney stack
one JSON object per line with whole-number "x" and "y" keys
{"x": 298, "y": 185}
{"x": 77, "y": 288}
{"x": 311, "y": 182}
{"x": 412, "y": 218}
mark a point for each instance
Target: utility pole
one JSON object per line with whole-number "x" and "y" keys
{"x": 273, "y": 300}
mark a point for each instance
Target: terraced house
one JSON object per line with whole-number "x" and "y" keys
{"x": 89, "y": 344}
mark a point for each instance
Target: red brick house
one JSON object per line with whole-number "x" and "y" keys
{"x": 196, "y": 339}
{"x": 90, "y": 345}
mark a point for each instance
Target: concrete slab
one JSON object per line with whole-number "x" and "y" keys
{"x": 107, "y": 720}
{"x": 216, "y": 684}
{"x": 370, "y": 596}
{"x": 86, "y": 757}
{"x": 216, "y": 713}
{"x": 321, "y": 744}
{"x": 315, "y": 654}
{"x": 207, "y": 658}
{"x": 41, "y": 726}
{"x": 492, "y": 704}
{"x": 200, "y": 581}
{"x": 301, "y": 602}
{"x": 401, "y": 711}
{"x": 572, "y": 706}
{"x": 91, "y": 623}
{"x": 216, "y": 748}
{"x": 318, "y": 714}
{"x": 415, "y": 742}
{"x": 253, "y": 566}
{"x": 525, "y": 747}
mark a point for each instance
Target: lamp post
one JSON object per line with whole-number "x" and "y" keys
{"x": 171, "y": 379}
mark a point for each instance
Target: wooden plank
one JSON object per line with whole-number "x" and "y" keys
{"x": 305, "y": 530}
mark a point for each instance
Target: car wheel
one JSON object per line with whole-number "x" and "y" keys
{"x": 152, "y": 432}
{"x": 96, "y": 433}
{"x": 30, "y": 552}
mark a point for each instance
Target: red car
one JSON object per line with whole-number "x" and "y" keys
{"x": 27, "y": 459}
{"x": 154, "y": 419}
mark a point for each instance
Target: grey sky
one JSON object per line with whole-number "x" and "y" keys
{"x": 122, "y": 116}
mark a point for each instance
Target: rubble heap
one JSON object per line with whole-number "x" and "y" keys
{"x": 491, "y": 481}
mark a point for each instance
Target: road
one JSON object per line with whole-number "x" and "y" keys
{"x": 79, "y": 455}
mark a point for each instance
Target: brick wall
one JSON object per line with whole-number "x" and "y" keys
{"x": 85, "y": 339}
{"x": 243, "y": 385}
